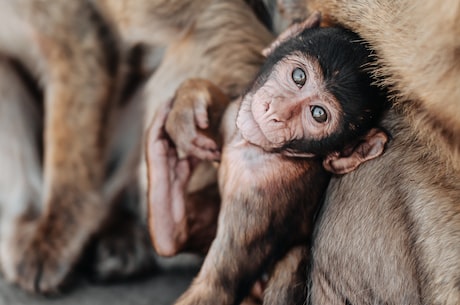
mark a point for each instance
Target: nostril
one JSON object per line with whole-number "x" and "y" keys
{"x": 275, "y": 120}
{"x": 267, "y": 107}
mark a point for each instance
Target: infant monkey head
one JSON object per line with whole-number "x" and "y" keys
{"x": 313, "y": 96}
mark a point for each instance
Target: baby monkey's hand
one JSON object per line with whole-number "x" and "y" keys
{"x": 193, "y": 123}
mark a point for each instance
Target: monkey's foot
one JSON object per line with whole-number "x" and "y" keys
{"x": 122, "y": 251}
{"x": 37, "y": 260}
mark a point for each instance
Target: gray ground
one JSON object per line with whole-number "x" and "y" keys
{"x": 160, "y": 289}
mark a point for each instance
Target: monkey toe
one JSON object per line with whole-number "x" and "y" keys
{"x": 36, "y": 262}
{"x": 42, "y": 273}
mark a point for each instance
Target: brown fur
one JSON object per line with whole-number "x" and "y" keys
{"x": 389, "y": 232}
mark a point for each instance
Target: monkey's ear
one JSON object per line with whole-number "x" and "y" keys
{"x": 312, "y": 21}
{"x": 372, "y": 146}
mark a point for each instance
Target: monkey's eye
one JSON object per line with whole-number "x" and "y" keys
{"x": 299, "y": 77}
{"x": 319, "y": 114}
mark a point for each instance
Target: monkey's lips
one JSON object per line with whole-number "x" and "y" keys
{"x": 257, "y": 130}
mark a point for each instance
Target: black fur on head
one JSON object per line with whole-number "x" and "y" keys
{"x": 346, "y": 63}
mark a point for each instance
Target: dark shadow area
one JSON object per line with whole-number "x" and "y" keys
{"x": 162, "y": 288}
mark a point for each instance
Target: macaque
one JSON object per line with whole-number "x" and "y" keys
{"x": 388, "y": 233}
{"x": 74, "y": 146}
{"x": 312, "y": 107}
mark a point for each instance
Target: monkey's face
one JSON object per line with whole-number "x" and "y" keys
{"x": 290, "y": 105}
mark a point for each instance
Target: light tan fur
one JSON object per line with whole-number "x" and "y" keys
{"x": 74, "y": 56}
{"x": 75, "y": 51}
{"x": 389, "y": 232}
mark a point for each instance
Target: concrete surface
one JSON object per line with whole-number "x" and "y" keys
{"x": 161, "y": 288}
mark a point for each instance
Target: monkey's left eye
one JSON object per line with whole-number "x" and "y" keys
{"x": 299, "y": 77}
{"x": 319, "y": 114}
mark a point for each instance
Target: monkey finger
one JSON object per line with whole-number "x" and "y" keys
{"x": 201, "y": 112}
{"x": 206, "y": 148}
{"x": 205, "y": 142}
{"x": 180, "y": 127}
{"x": 205, "y": 154}
{"x": 197, "y": 147}
{"x": 184, "y": 142}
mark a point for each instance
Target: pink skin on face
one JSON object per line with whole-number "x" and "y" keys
{"x": 280, "y": 111}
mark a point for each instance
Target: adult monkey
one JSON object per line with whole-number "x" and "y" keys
{"x": 72, "y": 50}
{"x": 389, "y": 232}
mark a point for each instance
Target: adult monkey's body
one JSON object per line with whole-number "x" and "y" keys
{"x": 389, "y": 232}
{"x": 73, "y": 51}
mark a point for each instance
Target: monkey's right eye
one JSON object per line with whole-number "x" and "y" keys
{"x": 319, "y": 114}
{"x": 299, "y": 77}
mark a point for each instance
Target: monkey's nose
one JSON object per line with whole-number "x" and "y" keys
{"x": 267, "y": 106}
{"x": 280, "y": 115}
{"x": 272, "y": 113}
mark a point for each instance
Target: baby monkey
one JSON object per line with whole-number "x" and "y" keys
{"x": 313, "y": 110}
